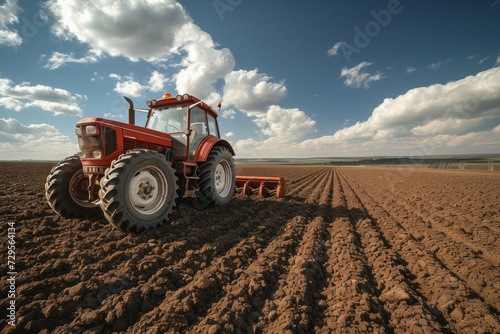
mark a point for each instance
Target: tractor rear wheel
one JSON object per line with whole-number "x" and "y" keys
{"x": 217, "y": 179}
{"x": 138, "y": 191}
{"x": 66, "y": 189}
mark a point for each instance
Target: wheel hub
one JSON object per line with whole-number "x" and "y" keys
{"x": 143, "y": 192}
{"x": 221, "y": 178}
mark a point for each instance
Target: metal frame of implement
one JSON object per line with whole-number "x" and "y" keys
{"x": 266, "y": 186}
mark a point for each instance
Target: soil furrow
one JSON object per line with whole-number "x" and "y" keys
{"x": 405, "y": 306}
{"x": 308, "y": 186}
{"x": 350, "y": 297}
{"x": 451, "y": 299}
{"x": 450, "y": 252}
{"x": 186, "y": 305}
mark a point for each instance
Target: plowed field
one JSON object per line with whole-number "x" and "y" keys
{"x": 349, "y": 250}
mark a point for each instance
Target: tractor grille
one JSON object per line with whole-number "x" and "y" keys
{"x": 133, "y": 144}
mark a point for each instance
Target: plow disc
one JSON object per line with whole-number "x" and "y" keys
{"x": 265, "y": 186}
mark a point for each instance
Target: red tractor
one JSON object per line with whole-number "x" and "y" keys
{"x": 134, "y": 174}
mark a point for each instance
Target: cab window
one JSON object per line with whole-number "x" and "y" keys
{"x": 212, "y": 126}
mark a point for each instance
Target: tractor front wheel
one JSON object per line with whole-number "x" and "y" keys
{"x": 138, "y": 191}
{"x": 66, "y": 189}
{"x": 217, "y": 179}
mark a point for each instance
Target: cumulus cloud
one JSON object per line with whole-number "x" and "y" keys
{"x": 126, "y": 85}
{"x": 33, "y": 141}
{"x": 58, "y": 59}
{"x": 203, "y": 63}
{"x": 137, "y": 30}
{"x": 155, "y": 30}
{"x": 55, "y": 100}
{"x": 228, "y": 113}
{"x": 256, "y": 95}
{"x": 252, "y": 92}
{"x": 130, "y": 88}
{"x": 433, "y": 117}
{"x": 356, "y": 76}
{"x": 8, "y": 17}
{"x": 287, "y": 123}
{"x": 156, "y": 82}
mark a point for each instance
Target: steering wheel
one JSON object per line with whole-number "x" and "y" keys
{"x": 173, "y": 127}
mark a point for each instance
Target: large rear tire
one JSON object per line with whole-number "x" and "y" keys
{"x": 138, "y": 191}
{"x": 217, "y": 177}
{"x": 66, "y": 189}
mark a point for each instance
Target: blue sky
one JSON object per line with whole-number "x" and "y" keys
{"x": 296, "y": 79}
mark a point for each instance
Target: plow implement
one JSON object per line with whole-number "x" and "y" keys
{"x": 265, "y": 186}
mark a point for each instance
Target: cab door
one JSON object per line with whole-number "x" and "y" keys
{"x": 198, "y": 129}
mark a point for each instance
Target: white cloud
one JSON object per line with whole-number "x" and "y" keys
{"x": 129, "y": 88}
{"x": 257, "y": 96}
{"x": 252, "y": 92}
{"x": 287, "y": 123}
{"x": 58, "y": 59}
{"x": 434, "y": 117}
{"x": 457, "y": 117}
{"x": 229, "y": 134}
{"x": 8, "y": 17}
{"x": 55, "y": 100}
{"x": 154, "y": 30}
{"x": 33, "y": 141}
{"x": 357, "y": 77}
{"x": 11, "y": 103}
{"x": 115, "y": 76}
{"x": 497, "y": 61}
{"x": 410, "y": 69}
{"x": 228, "y": 113}
{"x": 484, "y": 59}
{"x": 156, "y": 82}
{"x": 126, "y": 85}
{"x": 436, "y": 66}
{"x": 334, "y": 50}
{"x": 136, "y": 30}
{"x": 203, "y": 63}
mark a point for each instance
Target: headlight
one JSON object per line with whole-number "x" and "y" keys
{"x": 78, "y": 131}
{"x": 91, "y": 129}
{"x": 81, "y": 155}
{"x": 179, "y": 97}
{"x": 185, "y": 97}
{"x": 96, "y": 154}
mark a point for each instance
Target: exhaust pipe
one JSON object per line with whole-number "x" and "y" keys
{"x": 131, "y": 111}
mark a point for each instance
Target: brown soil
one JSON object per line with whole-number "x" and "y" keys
{"x": 348, "y": 250}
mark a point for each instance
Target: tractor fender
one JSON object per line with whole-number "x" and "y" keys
{"x": 206, "y": 147}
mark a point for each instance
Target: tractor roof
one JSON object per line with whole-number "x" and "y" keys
{"x": 168, "y": 100}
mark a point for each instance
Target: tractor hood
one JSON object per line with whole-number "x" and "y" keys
{"x": 102, "y": 140}
{"x": 130, "y": 131}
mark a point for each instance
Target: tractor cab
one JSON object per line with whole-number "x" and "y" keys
{"x": 188, "y": 120}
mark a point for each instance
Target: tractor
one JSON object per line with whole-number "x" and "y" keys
{"x": 135, "y": 174}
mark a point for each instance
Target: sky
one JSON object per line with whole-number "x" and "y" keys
{"x": 296, "y": 79}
